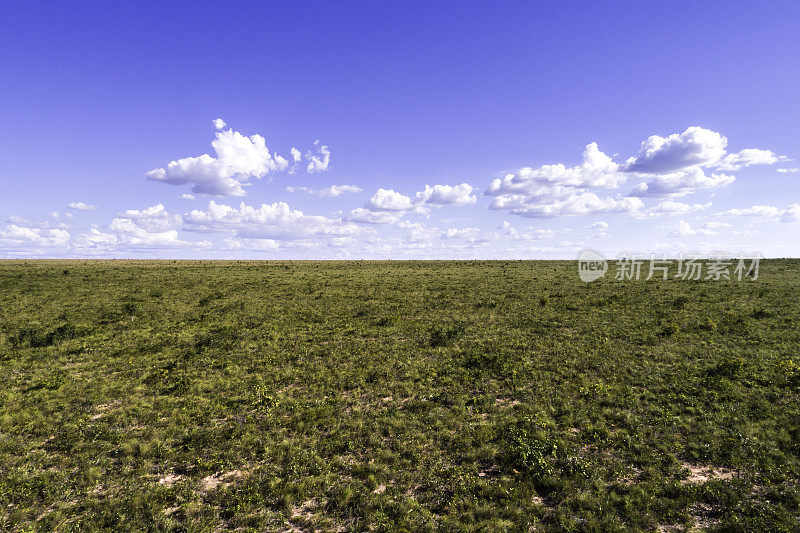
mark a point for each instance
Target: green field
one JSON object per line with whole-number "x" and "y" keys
{"x": 486, "y": 396}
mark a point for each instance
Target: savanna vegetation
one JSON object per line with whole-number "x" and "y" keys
{"x": 492, "y": 396}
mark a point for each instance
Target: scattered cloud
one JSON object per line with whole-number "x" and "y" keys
{"x": 80, "y": 206}
{"x": 788, "y": 214}
{"x": 219, "y": 123}
{"x": 562, "y": 203}
{"x": 267, "y": 221}
{"x": 447, "y": 195}
{"x": 389, "y": 200}
{"x": 318, "y": 162}
{"x": 694, "y": 147}
{"x": 678, "y": 184}
{"x": 671, "y": 208}
{"x": 238, "y": 159}
{"x": 789, "y": 170}
{"x": 534, "y": 234}
{"x": 684, "y": 229}
{"x": 366, "y": 216}
{"x": 333, "y": 190}
{"x": 337, "y": 190}
{"x": 748, "y": 157}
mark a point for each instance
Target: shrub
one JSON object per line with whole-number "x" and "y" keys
{"x": 762, "y": 313}
{"x": 130, "y": 308}
{"x": 444, "y": 337}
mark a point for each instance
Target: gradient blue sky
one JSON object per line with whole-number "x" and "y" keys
{"x": 93, "y": 97}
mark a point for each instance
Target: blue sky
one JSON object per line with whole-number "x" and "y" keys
{"x": 457, "y": 130}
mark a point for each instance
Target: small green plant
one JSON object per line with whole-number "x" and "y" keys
{"x": 130, "y": 309}
{"x": 762, "y": 313}
{"x": 439, "y": 336}
{"x": 669, "y": 329}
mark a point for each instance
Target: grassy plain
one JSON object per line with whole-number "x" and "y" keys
{"x": 395, "y": 396}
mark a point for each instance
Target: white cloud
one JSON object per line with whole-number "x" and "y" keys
{"x": 447, "y": 195}
{"x": 684, "y": 229}
{"x": 677, "y": 184}
{"x": 389, "y": 200}
{"x": 557, "y": 203}
{"x": 365, "y": 216}
{"x": 671, "y": 208}
{"x": 788, "y": 214}
{"x": 187, "y": 196}
{"x": 336, "y": 190}
{"x": 21, "y": 237}
{"x": 153, "y": 228}
{"x": 789, "y": 170}
{"x": 748, "y": 157}
{"x": 599, "y": 225}
{"x": 765, "y": 211}
{"x": 536, "y": 234}
{"x": 596, "y": 170}
{"x": 267, "y": 221}
{"x": 80, "y": 206}
{"x": 320, "y": 162}
{"x": 219, "y": 123}
{"x": 238, "y": 160}
{"x": 296, "y": 154}
{"x": 694, "y": 147}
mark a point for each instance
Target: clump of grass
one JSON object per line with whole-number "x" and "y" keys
{"x": 385, "y": 321}
{"x": 762, "y": 313}
{"x": 729, "y": 367}
{"x": 130, "y": 309}
{"x": 680, "y": 302}
{"x": 439, "y": 336}
{"x": 37, "y": 337}
{"x": 707, "y": 325}
{"x": 669, "y": 329}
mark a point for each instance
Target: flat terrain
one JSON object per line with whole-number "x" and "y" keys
{"x": 395, "y": 395}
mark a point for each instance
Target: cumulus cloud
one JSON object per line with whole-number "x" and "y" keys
{"x": 219, "y": 123}
{"x": 337, "y": 190}
{"x": 447, "y": 195}
{"x": 748, "y": 157}
{"x": 267, "y": 221}
{"x": 148, "y": 229}
{"x": 788, "y": 214}
{"x": 694, "y": 147}
{"x": 677, "y": 184}
{"x": 535, "y": 234}
{"x": 318, "y": 162}
{"x": 671, "y": 208}
{"x": 22, "y": 238}
{"x": 599, "y": 225}
{"x": 561, "y": 203}
{"x": 80, "y": 206}
{"x": 389, "y": 200}
{"x": 238, "y": 159}
{"x": 333, "y": 190}
{"x": 366, "y": 216}
{"x": 595, "y": 170}
{"x": 684, "y": 229}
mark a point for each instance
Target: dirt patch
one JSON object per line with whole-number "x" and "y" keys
{"x": 169, "y": 480}
{"x": 220, "y": 479}
{"x": 699, "y": 474}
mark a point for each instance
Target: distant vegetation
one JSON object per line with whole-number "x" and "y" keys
{"x": 395, "y": 396}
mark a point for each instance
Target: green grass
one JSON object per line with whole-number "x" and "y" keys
{"x": 395, "y": 396}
